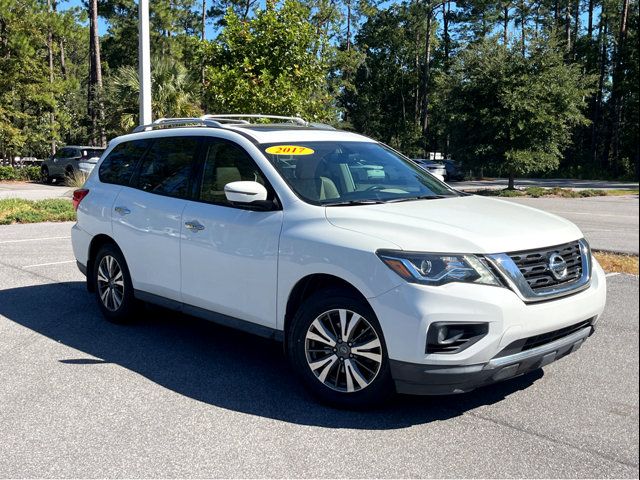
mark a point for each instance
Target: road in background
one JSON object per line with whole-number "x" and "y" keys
{"x": 499, "y": 183}
{"x": 173, "y": 396}
{"x": 608, "y": 223}
{"x": 33, "y": 191}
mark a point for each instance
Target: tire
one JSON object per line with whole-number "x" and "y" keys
{"x": 45, "y": 175}
{"x": 370, "y": 383}
{"x": 112, "y": 285}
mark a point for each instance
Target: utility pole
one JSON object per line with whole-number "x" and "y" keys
{"x": 144, "y": 63}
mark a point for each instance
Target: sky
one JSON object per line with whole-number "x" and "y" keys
{"x": 102, "y": 24}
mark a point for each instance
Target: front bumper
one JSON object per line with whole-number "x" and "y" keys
{"x": 406, "y": 313}
{"x": 420, "y": 379}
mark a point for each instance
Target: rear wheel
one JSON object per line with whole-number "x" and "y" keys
{"x": 113, "y": 287}
{"x": 337, "y": 348}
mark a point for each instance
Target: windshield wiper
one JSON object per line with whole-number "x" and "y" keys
{"x": 421, "y": 197}
{"x": 353, "y": 202}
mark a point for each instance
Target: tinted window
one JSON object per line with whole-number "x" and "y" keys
{"x": 226, "y": 163}
{"x": 166, "y": 169}
{"x": 118, "y": 167}
{"x": 92, "y": 152}
{"x": 64, "y": 153}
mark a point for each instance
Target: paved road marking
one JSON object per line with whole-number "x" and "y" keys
{"x": 612, "y": 274}
{"x": 47, "y": 264}
{"x": 32, "y": 239}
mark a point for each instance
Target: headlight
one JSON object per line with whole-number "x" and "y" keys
{"x": 438, "y": 268}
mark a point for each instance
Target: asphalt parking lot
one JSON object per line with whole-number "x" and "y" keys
{"x": 173, "y": 396}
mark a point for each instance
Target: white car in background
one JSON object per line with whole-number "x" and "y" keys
{"x": 375, "y": 276}
{"x": 436, "y": 169}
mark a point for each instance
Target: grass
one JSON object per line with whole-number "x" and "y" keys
{"x": 537, "y": 192}
{"x": 15, "y": 210}
{"x": 617, "y": 262}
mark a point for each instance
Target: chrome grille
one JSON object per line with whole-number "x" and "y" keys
{"x": 534, "y": 265}
{"x": 529, "y": 275}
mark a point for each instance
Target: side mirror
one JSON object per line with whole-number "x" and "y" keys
{"x": 247, "y": 194}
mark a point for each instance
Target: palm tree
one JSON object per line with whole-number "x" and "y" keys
{"x": 174, "y": 93}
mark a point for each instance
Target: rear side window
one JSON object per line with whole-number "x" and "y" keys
{"x": 118, "y": 167}
{"x": 167, "y": 167}
{"x": 226, "y": 163}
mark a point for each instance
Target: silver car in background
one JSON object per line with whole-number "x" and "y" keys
{"x": 69, "y": 160}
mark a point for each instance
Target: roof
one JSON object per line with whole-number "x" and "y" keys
{"x": 288, "y": 129}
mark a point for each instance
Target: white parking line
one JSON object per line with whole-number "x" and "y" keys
{"x": 612, "y": 274}
{"x": 32, "y": 239}
{"x": 47, "y": 264}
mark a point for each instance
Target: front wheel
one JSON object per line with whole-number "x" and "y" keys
{"x": 46, "y": 178}
{"x": 337, "y": 348}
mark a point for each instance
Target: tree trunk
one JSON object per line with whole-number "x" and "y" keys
{"x": 590, "y": 21}
{"x": 202, "y": 37}
{"x": 505, "y": 25}
{"x": 446, "y": 8}
{"x": 523, "y": 25}
{"x": 63, "y": 60}
{"x": 348, "y": 25}
{"x": 95, "y": 105}
{"x": 427, "y": 71}
{"x": 576, "y": 25}
{"x": 602, "y": 39}
{"x": 512, "y": 180}
{"x": 52, "y": 118}
{"x": 616, "y": 94}
{"x": 567, "y": 25}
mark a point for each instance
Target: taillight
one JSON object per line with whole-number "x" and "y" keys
{"x": 78, "y": 195}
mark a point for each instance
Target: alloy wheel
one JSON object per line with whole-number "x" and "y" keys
{"x": 110, "y": 283}
{"x": 343, "y": 350}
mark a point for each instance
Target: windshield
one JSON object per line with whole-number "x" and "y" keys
{"x": 347, "y": 173}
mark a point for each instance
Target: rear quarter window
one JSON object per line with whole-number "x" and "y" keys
{"x": 119, "y": 165}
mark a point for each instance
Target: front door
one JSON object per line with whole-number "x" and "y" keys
{"x": 229, "y": 255}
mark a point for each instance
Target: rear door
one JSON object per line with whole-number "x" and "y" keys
{"x": 229, "y": 254}
{"x": 147, "y": 215}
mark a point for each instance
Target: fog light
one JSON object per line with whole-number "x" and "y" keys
{"x": 454, "y": 337}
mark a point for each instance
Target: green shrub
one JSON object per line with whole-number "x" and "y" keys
{"x": 9, "y": 173}
{"x": 536, "y": 192}
{"x": 511, "y": 193}
{"x": 592, "y": 193}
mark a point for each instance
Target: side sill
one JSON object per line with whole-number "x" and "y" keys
{"x": 219, "y": 318}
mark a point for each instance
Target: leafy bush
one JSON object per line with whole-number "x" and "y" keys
{"x": 17, "y": 210}
{"x": 510, "y": 193}
{"x": 537, "y": 192}
{"x": 32, "y": 174}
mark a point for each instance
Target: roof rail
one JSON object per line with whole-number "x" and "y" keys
{"x": 179, "y": 122}
{"x": 240, "y": 118}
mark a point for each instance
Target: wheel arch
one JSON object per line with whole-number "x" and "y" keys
{"x": 96, "y": 243}
{"x": 307, "y": 286}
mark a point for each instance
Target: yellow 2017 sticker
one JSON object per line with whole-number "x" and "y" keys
{"x": 289, "y": 150}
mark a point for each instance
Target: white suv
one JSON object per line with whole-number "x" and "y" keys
{"x": 375, "y": 275}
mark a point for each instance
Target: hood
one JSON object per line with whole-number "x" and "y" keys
{"x": 470, "y": 224}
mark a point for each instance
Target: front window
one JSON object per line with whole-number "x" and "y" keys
{"x": 350, "y": 173}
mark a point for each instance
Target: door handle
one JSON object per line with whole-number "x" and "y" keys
{"x": 122, "y": 210}
{"x": 194, "y": 226}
